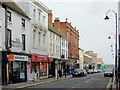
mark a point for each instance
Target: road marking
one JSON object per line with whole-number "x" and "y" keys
{"x": 89, "y": 80}
{"x": 109, "y": 83}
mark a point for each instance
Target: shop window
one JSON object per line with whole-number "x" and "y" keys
{"x": 43, "y": 69}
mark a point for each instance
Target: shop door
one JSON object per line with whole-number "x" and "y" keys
{"x": 10, "y": 71}
{"x": 16, "y": 72}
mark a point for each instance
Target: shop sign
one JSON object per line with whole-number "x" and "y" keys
{"x": 17, "y": 58}
{"x": 50, "y": 59}
{"x": 20, "y": 58}
{"x": 73, "y": 55}
{"x": 36, "y": 58}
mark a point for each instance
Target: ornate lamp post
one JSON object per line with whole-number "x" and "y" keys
{"x": 106, "y": 18}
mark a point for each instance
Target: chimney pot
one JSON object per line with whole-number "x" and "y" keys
{"x": 57, "y": 18}
{"x": 66, "y": 19}
{"x": 50, "y": 11}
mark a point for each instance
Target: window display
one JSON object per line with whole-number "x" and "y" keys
{"x": 43, "y": 69}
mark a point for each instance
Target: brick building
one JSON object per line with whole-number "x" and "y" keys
{"x": 73, "y": 38}
{"x": 99, "y": 61}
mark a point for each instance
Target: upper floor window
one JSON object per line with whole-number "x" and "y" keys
{"x": 34, "y": 36}
{"x": 23, "y": 42}
{"x": 50, "y": 48}
{"x": 44, "y": 20}
{"x": 50, "y": 35}
{"x": 34, "y": 12}
{"x": 39, "y": 40}
{"x": 53, "y": 36}
{"x": 39, "y": 17}
{"x": 9, "y": 16}
{"x": 23, "y": 22}
{"x": 43, "y": 40}
{"x": 9, "y": 38}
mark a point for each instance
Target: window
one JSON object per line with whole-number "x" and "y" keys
{"x": 34, "y": 12}
{"x": 23, "y": 42}
{"x": 23, "y": 22}
{"x": 34, "y": 38}
{"x": 53, "y": 36}
{"x": 62, "y": 42}
{"x": 44, "y": 20}
{"x": 39, "y": 40}
{"x": 53, "y": 48}
{"x": 9, "y": 38}
{"x": 50, "y": 48}
{"x": 56, "y": 50}
{"x": 66, "y": 44}
{"x": 39, "y": 18}
{"x": 50, "y": 35}
{"x": 9, "y": 16}
{"x": 62, "y": 52}
{"x": 66, "y": 53}
{"x": 44, "y": 40}
{"x": 56, "y": 37}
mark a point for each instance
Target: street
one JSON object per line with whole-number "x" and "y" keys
{"x": 96, "y": 80}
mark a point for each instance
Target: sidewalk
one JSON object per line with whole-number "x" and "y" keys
{"x": 31, "y": 84}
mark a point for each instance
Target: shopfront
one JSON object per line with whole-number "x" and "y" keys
{"x": 50, "y": 67}
{"x": 70, "y": 67}
{"x": 17, "y": 68}
{"x": 39, "y": 66}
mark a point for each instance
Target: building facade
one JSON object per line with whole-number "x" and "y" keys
{"x": 15, "y": 42}
{"x": 73, "y": 38}
{"x": 81, "y": 57}
{"x": 87, "y": 61}
{"x": 38, "y": 12}
{"x": 58, "y": 46}
{"x": 94, "y": 57}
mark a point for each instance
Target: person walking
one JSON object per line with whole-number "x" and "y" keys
{"x": 60, "y": 73}
{"x": 65, "y": 72}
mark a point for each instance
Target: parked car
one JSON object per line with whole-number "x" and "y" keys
{"x": 85, "y": 73}
{"x": 95, "y": 71}
{"x": 108, "y": 73}
{"x": 99, "y": 70}
{"x": 90, "y": 71}
{"x": 79, "y": 72}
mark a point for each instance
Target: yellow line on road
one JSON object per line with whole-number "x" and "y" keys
{"x": 109, "y": 83}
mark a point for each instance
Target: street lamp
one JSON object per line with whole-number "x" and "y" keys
{"x": 106, "y": 18}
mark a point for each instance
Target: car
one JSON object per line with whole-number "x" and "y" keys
{"x": 85, "y": 73}
{"x": 99, "y": 71}
{"x": 79, "y": 72}
{"x": 90, "y": 71}
{"x": 95, "y": 71}
{"x": 108, "y": 73}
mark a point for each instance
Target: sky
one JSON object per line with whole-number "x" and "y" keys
{"x": 88, "y": 17}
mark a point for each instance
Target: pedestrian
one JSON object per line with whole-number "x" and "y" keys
{"x": 60, "y": 73}
{"x": 65, "y": 72}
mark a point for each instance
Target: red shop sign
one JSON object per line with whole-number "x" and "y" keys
{"x": 36, "y": 58}
{"x": 50, "y": 59}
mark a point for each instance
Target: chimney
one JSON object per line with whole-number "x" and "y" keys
{"x": 57, "y": 23}
{"x": 50, "y": 17}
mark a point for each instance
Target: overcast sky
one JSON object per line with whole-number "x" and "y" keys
{"x": 88, "y": 17}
